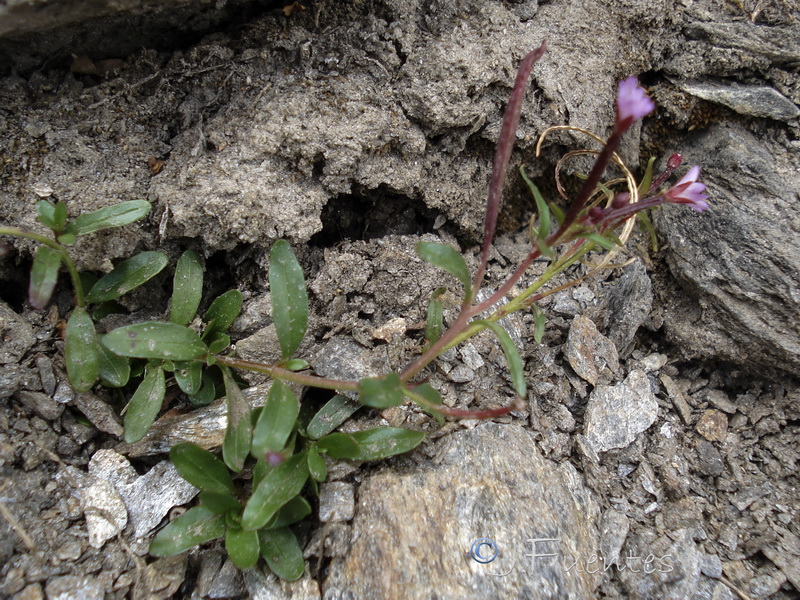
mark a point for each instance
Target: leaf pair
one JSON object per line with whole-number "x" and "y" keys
{"x": 370, "y": 444}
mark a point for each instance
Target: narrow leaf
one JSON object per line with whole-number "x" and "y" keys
{"x": 446, "y": 258}
{"x": 44, "y": 276}
{"x": 145, "y": 404}
{"x": 557, "y": 212}
{"x": 279, "y": 486}
{"x": 236, "y": 445}
{"x": 242, "y": 546}
{"x": 115, "y": 370}
{"x": 187, "y": 288}
{"x": 293, "y": 511}
{"x": 288, "y": 296}
{"x": 81, "y": 353}
{"x": 338, "y": 445}
{"x": 600, "y": 240}
{"x": 381, "y": 392}
{"x": 196, "y": 526}
{"x": 189, "y": 376}
{"x": 381, "y": 442}
{"x": 542, "y": 209}
{"x": 127, "y": 275}
{"x": 222, "y": 313}
{"x": 335, "y": 412}
{"x": 434, "y": 323}
{"x": 155, "y": 340}
{"x": 207, "y": 392}
{"x": 283, "y": 554}
{"x": 201, "y": 468}
{"x": 46, "y": 213}
{"x": 220, "y": 504}
{"x": 647, "y": 178}
{"x": 513, "y": 358}
{"x": 539, "y": 323}
{"x": 116, "y": 215}
{"x": 428, "y": 398}
{"x": 277, "y": 420}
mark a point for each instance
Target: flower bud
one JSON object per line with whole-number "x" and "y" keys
{"x": 674, "y": 161}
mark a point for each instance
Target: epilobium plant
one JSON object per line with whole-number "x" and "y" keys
{"x": 283, "y": 449}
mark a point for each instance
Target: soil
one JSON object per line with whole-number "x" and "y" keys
{"x": 199, "y": 128}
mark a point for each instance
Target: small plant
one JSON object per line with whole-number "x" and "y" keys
{"x": 282, "y": 448}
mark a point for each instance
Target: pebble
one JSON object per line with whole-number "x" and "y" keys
{"x": 719, "y": 399}
{"x": 42, "y": 404}
{"x": 713, "y": 425}
{"x": 711, "y": 566}
{"x": 592, "y": 355}
{"x": 709, "y": 459}
{"x": 336, "y": 502}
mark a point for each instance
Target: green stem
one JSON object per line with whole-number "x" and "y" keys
{"x": 80, "y": 298}
{"x": 285, "y": 374}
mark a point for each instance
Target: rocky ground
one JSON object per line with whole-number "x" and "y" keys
{"x": 657, "y": 454}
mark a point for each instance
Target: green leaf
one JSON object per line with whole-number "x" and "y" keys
{"x": 542, "y": 208}
{"x": 430, "y": 399}
{"x": 218, "y": 342}
{"x": 145, "y": 404}
{"x": 242, "y": 547}
{"x": 189, "y": 376}
{"x": 283, "y": 554}
{"x": 445, "y": 257}
{"x": 46, "y": 214}
{"x": 380, "y": 442}
{"x": 513, "y": 358}
{"x": 168, "y": 341}
{"x": 557, "y": 212}
{"x": 127, "y": 275}
{"x": 116, "y": 215}
{"x": 647, "y": 178}
{"x": 276, "y": 421}
{"x": 338, "y": 445}
{"x": 335, "y": 412}
{"x": 288, "y": 296}
{"x": 296, "y": 364}
{"x": 207, "y": 393}
{"x": 222, "y": 313}
{"x": 44, "y": 276}
{"x": 434, "y": 322}
{"x": 381, "y": 392}
{"x": 67, "y": 239}
{"x": 202, "y": 469}
{"x": 600, "y": 240}
{"x": 115, "y": 371}
{"x": 236, "y": 445}
{"x": 539, "y": 323}
{"x": 293, "y": 511}
{"x": 316, "y": 465}
{"x": 279, "y": 486}
{"x": 220, "y": 504}
{"x": 194, "y": 527}
{"x": 81, "y": 353}
{"x": 187, "y": 288}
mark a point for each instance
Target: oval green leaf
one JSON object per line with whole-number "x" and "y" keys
{"x": 288, "y": 296}
{"x": 338, "y": 445}
{"x": 381, "y": 392}
{"x": 187, "y": 288}
{"x": 115, "y": 370}
{"x": 116, "y": 215}
{"x": 445, "y": 257}
{"x": 381, "y": 442}
{"x": 316, "y": 465}
{"x": 222, "y": 313}
{"x": 220, "y": 504}
{"x": 279, "y": 486}
{"x": 513, "y": 358}
{"x": 202, "y": 469}
{"x": 434, "y": 323}
{"x": 127, "y": 275}
{"x": 44, "y": 276}
{"x": 276, "y": 421}
{"x": 196, "y": 526}
{"x": 283, "y": 554}
{"x": 168, "y": 341}
{"x": 335, "y": 412}
{"x": 145, "y": 404}
{"x": 238, "y": 432}
{"x": 242, "y": 546}
{"x": 189, "y": 376}
{"x": 293, "y": 511}
{"x": 81, "y": 354}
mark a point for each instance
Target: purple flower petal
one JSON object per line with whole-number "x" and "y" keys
{"x": 632, "y": 102}
{"x": 689, "y": 191}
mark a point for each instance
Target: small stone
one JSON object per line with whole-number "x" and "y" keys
{"x": 461, "y": 374}
{"x": 99, "y": 413}
{"x": 42, "y": 404}
{"x": 70, "y": 550}
{"x": 750, "y": 100}
{"x": 709, "y": 459}
{"x": 227, "y": 583}
{"x": 615, "y": 415}
{"x": 713, "y": 425}
{"x": 16, "y": 334}
{"x": 614, "y": 528}
{"x": 69, "y": 587}
{"x": 750, "y": 494}
{"x": 32, "y": 592}
{"x": 711, "y": 566}
{"x": 592, "y": 355}
{"x": 470, "y": 356}
{"x": 388, "y": 331}
{"x": 336, "y": 502}
{"x": 719, "y": 399}
{"x": 48, "y": 378}
{"x": 105, "y": 511}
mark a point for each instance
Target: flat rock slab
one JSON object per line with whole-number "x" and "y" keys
{"x": 414, "y": 532}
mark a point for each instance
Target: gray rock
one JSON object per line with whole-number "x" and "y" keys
{"x": 17, "y": 336}
{"x": 490, "y": 482}
{"x": 751, "y": 100}
{"x": 615, "y": 415}
{"x": 593, "y": 356}
{"x": 336, "y": 502}
{"x": 342, "y": 358}
{"x": 69, "y": 587}
{"x": 614, "y": 528}
{"x": 735, "y": 264}
{"x": 630, "y": 301}
{"x": 99, "y": 413}
{"x": 42, "y": 404}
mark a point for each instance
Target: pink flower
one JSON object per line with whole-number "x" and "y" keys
{"x": 689, "y": 191}
{"x": 632, "y": 102}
